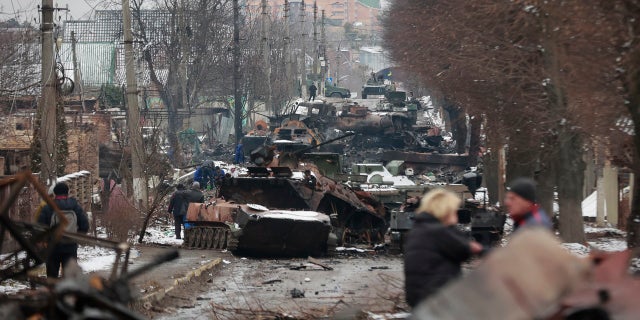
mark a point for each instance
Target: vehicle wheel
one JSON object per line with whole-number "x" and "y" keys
{"x": 336, "y": 95}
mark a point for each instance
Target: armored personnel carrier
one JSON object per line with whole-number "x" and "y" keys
{"x": 255, "y": 230}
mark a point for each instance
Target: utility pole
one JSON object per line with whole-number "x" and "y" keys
{"x": 47, "y": 105}
{"x": 76, "y": 71}
{"x": 266, "y": 51}
{"x": 287, "y": 45}
{"x": 237, "y": 96}
{"x": 323, "y": 64}
{"x": 133, "y": 113}
{"x": 315, "y": 46}
{"x": 303, "y": 40}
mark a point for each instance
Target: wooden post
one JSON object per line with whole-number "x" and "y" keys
{"x": 133, "y": 113}
{"x": 47, "y": 105}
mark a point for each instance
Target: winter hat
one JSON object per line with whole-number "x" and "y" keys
{"x": 524, "y": 187}
{"x": 195, "y": 185}
{"x": 61, "y": 189}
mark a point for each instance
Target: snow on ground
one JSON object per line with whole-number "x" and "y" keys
{"x": 163, "y": 235}
{"x": 12, "y": 286}
{"x": 92, "y": 259}
{"x": 614, "y": 240}
{"x": 388, "y": 316}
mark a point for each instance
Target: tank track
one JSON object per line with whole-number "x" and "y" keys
{"x": 210, "y": 237}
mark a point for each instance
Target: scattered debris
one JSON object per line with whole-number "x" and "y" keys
{"x": 318, "y": 263}
{"x": 379, "y": 268}
{"x": 271, "y": 281}
{"x": 295, "y": 294}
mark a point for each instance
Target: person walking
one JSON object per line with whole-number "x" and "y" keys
{"x": 78, "y": 222}
{"x": 194, "y": 195}
{"x": 178, "y": 206}
{"x": 522, "y": 205}
{"x": 435, "y": 249}
{"x": 239, "y": 154}
{"x": 312, "y": 92}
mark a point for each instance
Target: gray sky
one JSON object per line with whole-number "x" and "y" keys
{"x": 28, "y": 9}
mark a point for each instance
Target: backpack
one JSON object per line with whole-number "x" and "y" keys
{"x": 72, "y": 219}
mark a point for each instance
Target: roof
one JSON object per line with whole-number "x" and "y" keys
{"x": 375, "y": 4}
{"x": 97, "y": 62}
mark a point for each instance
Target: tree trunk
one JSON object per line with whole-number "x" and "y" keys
{"x": 571, "y": 168}
{"x": 633, "y": 222}
{"x": 546, "y": 179}
{"x": 521, "y": 158}
{"x": 491, "y": 165}
{"x": 458, "y": 121}
{"x": 474, "y": 142}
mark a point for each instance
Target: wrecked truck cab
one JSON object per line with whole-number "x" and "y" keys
{"x": 255, "y": 230}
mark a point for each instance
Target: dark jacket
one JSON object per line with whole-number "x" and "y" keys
{"x": 66, "y": 203}
{"x": 433, "y": 255}
{"x": 193, "y": 195}
{"x": 536, "y": 218}
{"x": 178, "y": 203}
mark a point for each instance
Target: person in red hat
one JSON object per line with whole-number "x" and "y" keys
{"x": 522, "y": 205}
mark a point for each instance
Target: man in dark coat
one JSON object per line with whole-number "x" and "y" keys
{"x": 312, "y": 92}
{"x": 178, "y": 207}
{"x": 65, "y": 250}
{"x": 194, "y": 195}
{"x": 435, "y": 250}
{"x": 521, "y": 204}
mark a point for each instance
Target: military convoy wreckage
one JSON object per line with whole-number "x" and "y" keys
{"x": 279, "y": 210}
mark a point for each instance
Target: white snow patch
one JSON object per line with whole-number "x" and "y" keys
{"x": 609, "y": 244}
{"x": 11, "y": 286}
{"x": 604, "y": 244}
{"x": 164, "y": 235}
{"x": 388, "y": 316}
{"x": 92, "y": 259}
{"x": 576, "y": 248}
{"x": 352, "y": 249}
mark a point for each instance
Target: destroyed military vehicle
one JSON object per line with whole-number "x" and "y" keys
{"x": 252, "y": 229}
{"x": 356, "y": 216}
{"x": 294, "y": 135}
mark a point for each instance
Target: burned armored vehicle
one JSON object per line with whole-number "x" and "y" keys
{"x": 356, "y": 216}
{"x": 294, "y": 135}
{"x": 255, "y": 230}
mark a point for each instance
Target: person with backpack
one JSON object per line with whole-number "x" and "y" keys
{"x": 78, "y": 222}
{"x": 178, "y": 207}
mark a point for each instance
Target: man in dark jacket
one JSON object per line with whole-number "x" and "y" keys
{"x": 435, "y": 250}
{"x": 178, "y": 207}
{"x": 194, "y": 195}
{"x": 312, "y": 92}
{"x": 65, "y": 250}
{"x": 521, "y": 204}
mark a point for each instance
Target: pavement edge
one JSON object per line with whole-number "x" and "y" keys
{"x": 160, "y": 294}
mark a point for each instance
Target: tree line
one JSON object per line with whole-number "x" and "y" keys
{"x": 550, "y": 82}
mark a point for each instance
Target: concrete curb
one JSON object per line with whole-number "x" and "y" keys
{"x": 160, "y": 294}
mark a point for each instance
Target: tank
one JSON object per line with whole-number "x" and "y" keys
{"x": 255, "y": 230}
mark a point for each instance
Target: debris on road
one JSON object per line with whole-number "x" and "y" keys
{"x": 318, "y": 263}
{"x": 295, "y": 294}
